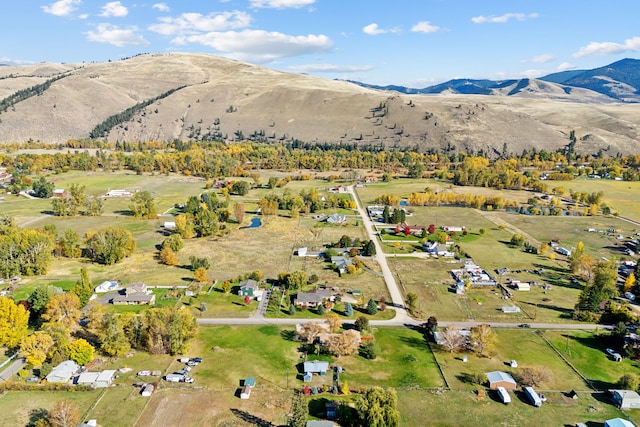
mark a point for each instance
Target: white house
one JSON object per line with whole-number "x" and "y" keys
{"x": 63, "y": 372}
{"x": 96, "y": 379}
{"x": 107, "y": 286}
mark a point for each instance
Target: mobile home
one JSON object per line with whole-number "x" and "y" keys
{"x": 533, "y": 396}
{"x": 504, "y": 395}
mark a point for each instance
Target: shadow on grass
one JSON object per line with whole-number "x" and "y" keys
{"x": 288, "y": 335}
{"x": 318, "y": 407}
{"x": 415, "y": 342}
{"x": 36, "y": 415}
{"x": 251, "y": 419}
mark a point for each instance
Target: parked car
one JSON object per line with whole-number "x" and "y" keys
{"x": 196, "y": 359}
{"x": 181, "y": 372}
{"x": 188, "y": 379}
{"x": 192, "y": 363}
{"x": 144, "y": 373}
{"x": 525, "y": 325}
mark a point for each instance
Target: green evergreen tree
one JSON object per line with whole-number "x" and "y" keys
{"x": 299, "y": 411}
{"x": 372, "y": 307}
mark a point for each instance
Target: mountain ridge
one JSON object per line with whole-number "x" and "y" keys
{"x": 619, "y": 81}
{"x": 205, "y": 97}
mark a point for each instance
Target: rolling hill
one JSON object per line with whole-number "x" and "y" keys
{"x": 203, "y": 97}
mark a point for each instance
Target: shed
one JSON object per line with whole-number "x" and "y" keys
{"x": 302, "y": 251}
{"x": 523, "y": 286}
{"x": 618, "y": 422}
{"x": 250, "y": 382}
{"x": 501, "y": 379}
{"x": 625, "y": 399}
{"x": 169, "y": 225}
{"x": 245, "y": 393}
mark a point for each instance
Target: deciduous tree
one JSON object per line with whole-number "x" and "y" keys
{"x": 63, "y": 311}
{"x": 142, "y": 205}
{"x": 334, "y": 321}
{"x": 452, "y": 339}
{"x": 64, "y": 414}
{"x": 344, "y": 344}
{"x": 83, "y": 288}
{"x": 483, "y": 339}
{"x": 35, "y": 348}
{"x": 110, "y": 245}
{"x": 377, "y": 407}
{"x": 80, "y": 351}
{"x": 14, "y": 322}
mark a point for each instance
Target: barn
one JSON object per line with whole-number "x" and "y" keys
{"x": 501, "y": 379}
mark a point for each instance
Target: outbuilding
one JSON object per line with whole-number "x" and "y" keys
{"x": 618, "y": 422}
{"x": 245, "y": 393}
{"x": 501, "y": 379}
{"x": 625, "y": 399}
{"x": 147, "y": 390}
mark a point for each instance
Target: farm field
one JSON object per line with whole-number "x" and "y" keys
{"x": 622, "y": 196}
{"x": 20, "y": 408}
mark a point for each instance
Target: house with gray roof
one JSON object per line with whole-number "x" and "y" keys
{"x": 135, "y": 294}
{"x": 63, "y": 372}
{"x": 313, "y": 298}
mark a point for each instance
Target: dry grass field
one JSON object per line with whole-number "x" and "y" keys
{"x": 317, "y": 109}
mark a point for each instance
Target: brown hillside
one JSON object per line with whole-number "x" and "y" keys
{"x": 235, "y": 100}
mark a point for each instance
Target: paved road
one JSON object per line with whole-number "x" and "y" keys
{"x": 12, "y": 369}
{"x": 392, "y": 286}
{"x": 399, "y": 322}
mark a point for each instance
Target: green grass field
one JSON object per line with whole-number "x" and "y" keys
{"x": 622, "y": 196}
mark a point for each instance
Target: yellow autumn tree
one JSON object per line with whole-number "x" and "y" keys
{"x": 14, "y": 322}
{"x": 35, "y": 348}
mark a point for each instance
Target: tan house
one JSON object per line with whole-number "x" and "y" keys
{"x": 134, "y": 294}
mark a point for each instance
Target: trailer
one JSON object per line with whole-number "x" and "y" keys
{"x": 533, "y": 396}
{"x": 174, "y": 378}
{"x": 504, "y": 395}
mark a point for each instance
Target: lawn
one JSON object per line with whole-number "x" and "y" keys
{"x": 622, "y": 196}
{"x": 586, "y": 351}
{"x": 19, "y": 408}
{"x": 526, "y": 347}
{"x": 465, "y": 408}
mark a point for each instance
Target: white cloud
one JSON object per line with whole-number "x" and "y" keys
{"x": 162, "y": 7}
{"x": 114, "y": 8}
{"x": 608, "y": 48}
{"x": 112, "y": 34}
{"x": 62, "y": 7}
{"x": 281, "y": 4}
{"x": 373, "y": 30}
{"x": 258, "y": 45}
{"x": 425, "y": 27}
{"x": 8, "y": 61}
{"x": 541, "y": 59}
{"x": 566, "y": 66}
{"x": 503, "y": 18}
{"x": 330, "y": 68}
{"x": 194, "y": 23}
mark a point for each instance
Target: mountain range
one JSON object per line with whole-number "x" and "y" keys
{"x": 619, "y": 81}
{"x": 164, "y": 97}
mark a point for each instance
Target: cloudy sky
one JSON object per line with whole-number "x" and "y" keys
{"x": 415, "y": 43}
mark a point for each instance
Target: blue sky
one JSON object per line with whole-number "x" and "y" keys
{"x": 415, "y": 43}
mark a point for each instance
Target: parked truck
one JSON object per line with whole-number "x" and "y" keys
{"x": 533, "y": 396}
